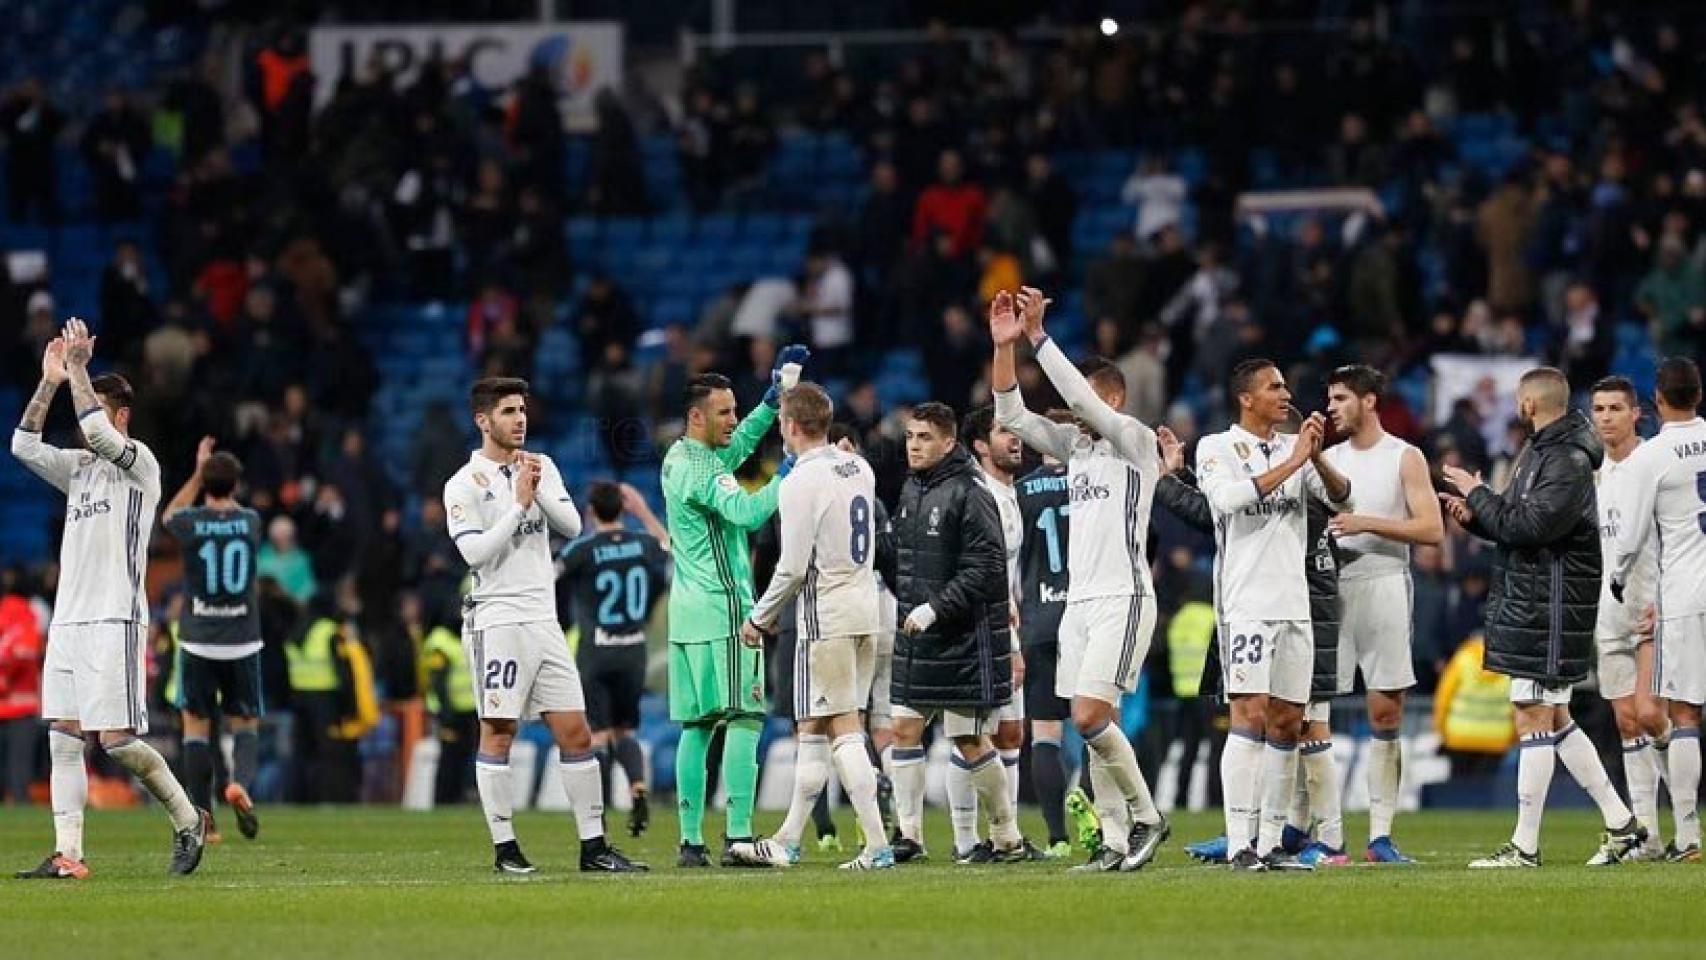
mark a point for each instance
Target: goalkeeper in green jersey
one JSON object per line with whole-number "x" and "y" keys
{"x": 713, "y": 678}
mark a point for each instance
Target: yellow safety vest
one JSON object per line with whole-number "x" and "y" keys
{"x": 1476, "y": 704}
{"x": 313, "y": 665}
{"x": 1188, "y": 637}
{"x": 442, "y": 651}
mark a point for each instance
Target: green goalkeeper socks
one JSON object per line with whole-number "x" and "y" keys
{"x": 691, "y": 753}
{"x": 740, "y": 772}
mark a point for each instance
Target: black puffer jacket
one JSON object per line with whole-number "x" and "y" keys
{"x": 1178, "y": 492}
{"x": 1546, "y": 575}
{"x": 945, "y": 548}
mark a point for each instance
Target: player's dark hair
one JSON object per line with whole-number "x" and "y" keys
{"x": 486, "y": 392}
{"x": 938, "y": 415}
{"x": 841, "y": 431}
{"x": 219, "y": 475}
{"x": 1101, "y": 372}
{"x": 1360, "y": 379}
{"x": 605, "y": 499}
{"x": 1244, "y": 374}
{"x": 977, "y": 425}
{"x": 809, "y": 407}
{"x": 1678, "y": 383}
{"x": 702, "y": 386}
{"x": 114, "y": 390}
{"x": 1617, "y": 384}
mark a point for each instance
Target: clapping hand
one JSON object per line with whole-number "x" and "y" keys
{"x": 1172, "y": 450}
{"x": 79, "y": 344}
{"x": 1032, "y": 305}
{"x": 1004, "y": 326}
{"x": 1463, "y": 480}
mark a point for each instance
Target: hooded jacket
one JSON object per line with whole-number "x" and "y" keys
{"x": 1544, "y": 597}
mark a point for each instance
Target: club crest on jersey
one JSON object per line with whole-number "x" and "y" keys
{"x": 933, "y": 526}
{"x": 481, "y": 480}
{"x": 1242, "y": 449}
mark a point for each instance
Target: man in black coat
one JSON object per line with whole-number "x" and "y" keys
{"x": 952, "y": 655}
{"x": 1543, "y": 606}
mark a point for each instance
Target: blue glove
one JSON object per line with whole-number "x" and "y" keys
{"x": 786, "y": 466}
{"x": 793, "y": 353}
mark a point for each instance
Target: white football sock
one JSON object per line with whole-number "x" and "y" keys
{"x": 1642, "y": 775}
{"x": 1112, "y": 745}
{"x": 491, "y": 774}
{"x": 908, "y": 778}
{"x": 989, "y": 780}
{"x": 811, "y": 775}
{"x": 1279, "y": 777}
{"x": 859, "y": 780}
{"x": 962, "y": 802}
{"x": 1582, "y": 760}
{"x": 1685, "y": 784}
{"x": 69, "y": 785}
{"x": 1385, "y": 772}
{"x": 1239, "y": 761}
{"x": 1533, "y": 779}
{"x": 1321, "y": 781}
{"x": 583, "y": 782}
{"x": 1010, "y": 763}
{"x": 150, "y": 769}
{"x": 1111, "y": 808}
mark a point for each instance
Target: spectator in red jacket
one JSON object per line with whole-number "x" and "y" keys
{"x": 951, "y": 206}
{"x": 20, "y": 688}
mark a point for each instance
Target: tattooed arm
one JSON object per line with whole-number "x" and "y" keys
{"x": 47, "y": 462}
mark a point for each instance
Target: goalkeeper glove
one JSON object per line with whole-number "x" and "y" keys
{"x": 785, "y": 373}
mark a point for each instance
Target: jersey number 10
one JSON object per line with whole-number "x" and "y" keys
{"x": 227, "y": 568}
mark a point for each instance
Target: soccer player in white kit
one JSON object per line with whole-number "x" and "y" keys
{"x": 95, "y": 678}
{"x": 1663, "y": 499}
{"x": 1256, "y": 479}
{"x": 1113, "y": 465}
{"x": 827, "y": 505}
{"x": 999, "y": 456}
{"x": 1623, "y": 634}
{"x": 1396, "y": 507}
{"x": 501, "y": 508}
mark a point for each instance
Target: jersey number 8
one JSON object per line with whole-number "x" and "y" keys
{"x": 859, "y": 518}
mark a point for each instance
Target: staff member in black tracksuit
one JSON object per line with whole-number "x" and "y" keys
{"x": 1177, "y": 491}
{"x": 952, "y": 653}
{"x": 1543, "y": 606}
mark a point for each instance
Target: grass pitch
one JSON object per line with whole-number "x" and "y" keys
{"x": 385, "y": 883}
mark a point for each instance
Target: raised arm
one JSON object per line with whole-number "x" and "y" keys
{"x": 554, "y": 500}
{"x": 43, "y": 459}
{"x": 191, "y": 490}
{"x": 798, "y": 529}
{"x": 1132, "y": 438}
{"x": 635, "y": 503}
{"x": 1036, "y": 431}
{"x": 783, "y": 376}
{"x": 104, "y": 439}
{"x": 1177, "y": 489}
{"x": 723, "y": 495}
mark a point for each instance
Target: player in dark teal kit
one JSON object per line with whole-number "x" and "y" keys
{"x": 1043, "y": 506}
{"x": 614, "y": 577}
{"x": 219, "y": 635}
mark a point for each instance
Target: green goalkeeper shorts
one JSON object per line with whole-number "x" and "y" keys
{"x": 714, "y": 679}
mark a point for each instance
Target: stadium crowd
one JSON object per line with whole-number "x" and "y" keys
{"x": 441, "y": 189}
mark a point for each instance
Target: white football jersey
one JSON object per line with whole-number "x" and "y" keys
{"x": 1111, "y": 478}
{"x": 1617, "y": 619}
{"x": 1260, "y": 541}
{"x": 1376, "y": 474}
{"x": 828, "y": 511}
{"x": 508, "y": 549}
{"x": 1012, "y": 526}
{"x": 109, "y": 516}
{"x": 1667, "y": 476}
